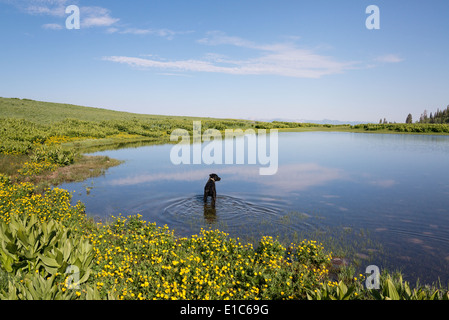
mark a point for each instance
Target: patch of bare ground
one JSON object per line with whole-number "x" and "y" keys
{"x": 83, "y": 168}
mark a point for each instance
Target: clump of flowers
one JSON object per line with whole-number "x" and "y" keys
{"x": 57, "y": 140}
{"x": 137, "y": 260}
{"x": 33, "y": 168}
{"x": 54, "y": 204}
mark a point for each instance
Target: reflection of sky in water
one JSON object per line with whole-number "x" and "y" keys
{"x": 305, "y": 161}
{"x": 290, "y": 177}
{"x": 395, "y": 186}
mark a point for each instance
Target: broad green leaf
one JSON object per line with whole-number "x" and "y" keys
{"x": 50, "y": 262}
{"x": 22, "y": 237}
{"x": 85, "y": 276}
{"x": 59, "y": 257}
{"x": 6, "y": 261}
{"x": 12, "y": 248}
{"x": 392, "y": 293}
{"x": 67, "y": 250}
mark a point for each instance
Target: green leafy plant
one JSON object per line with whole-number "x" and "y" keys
{"x": 393, "y": 287}
{"x": 53, "y": 154}
{"x": 333, "y": 291}
{"x": 38, "y": 254}
{"x": 34, "y": 286}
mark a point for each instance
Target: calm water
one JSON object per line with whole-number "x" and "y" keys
{"x": 385, "y": 196}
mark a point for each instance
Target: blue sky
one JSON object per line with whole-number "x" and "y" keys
{"x": 248, "y": 59}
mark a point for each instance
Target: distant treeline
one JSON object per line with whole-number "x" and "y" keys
{"x": 438, "y": 117}
{"x": 405, "y": 127}
{"x": 436, "y": 122}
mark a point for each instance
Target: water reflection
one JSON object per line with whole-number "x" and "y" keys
{"x": 289, "y": 178}
{"x": 210, "y": 214}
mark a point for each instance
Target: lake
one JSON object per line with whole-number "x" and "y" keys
{"x": 385, "y": 197}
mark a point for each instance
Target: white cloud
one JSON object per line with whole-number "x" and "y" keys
{"x": 219, "y": 38}
{"x": 390, "y": 58}
{"x": 90, "y": 16}
{"x": 182, "y": 65}
{"x": 135, "y": 31}
{"x": 164, "y": 33}
{"x": 52, "y": 26}
{"x": 112, "y": 30}
{"x": 282, "y": 59}
{"x": 96, "y": 17}
{"x": 40, "y": 7}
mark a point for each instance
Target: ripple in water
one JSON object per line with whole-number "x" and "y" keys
{"x": 239, "y": 217}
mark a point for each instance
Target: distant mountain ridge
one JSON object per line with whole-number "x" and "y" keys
{"x": 324, "y": 121}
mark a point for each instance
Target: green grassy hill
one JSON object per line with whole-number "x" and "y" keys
{"x": 26, "y": 124}
{"x": 49, "y": 112}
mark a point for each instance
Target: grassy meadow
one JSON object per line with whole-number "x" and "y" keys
{"x": 50, "y": 248}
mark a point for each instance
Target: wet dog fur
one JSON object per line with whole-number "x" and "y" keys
{"x": 209, "y": 188}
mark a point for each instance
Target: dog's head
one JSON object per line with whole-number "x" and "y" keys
{"x": 214, "y": 177}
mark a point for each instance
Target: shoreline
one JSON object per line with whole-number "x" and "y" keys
{"x": 97, "y": 165}
{"x": 357, "y": 130}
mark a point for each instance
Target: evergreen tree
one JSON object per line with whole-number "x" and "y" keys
{"x": 409, "y": 118}
{"x": 440, "y": 116}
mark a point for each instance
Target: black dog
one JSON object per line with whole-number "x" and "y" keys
{"x": 209, "y": 189}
